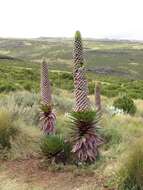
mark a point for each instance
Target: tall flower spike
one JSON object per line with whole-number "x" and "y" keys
{"x": 79, "y": 74}
{"x": 47, "y": 116}
{"x": 98, "y": 96}
{"x": 45, "y": 84}
{"x": 81, "y": 91}
{"x": 77, "y": 51}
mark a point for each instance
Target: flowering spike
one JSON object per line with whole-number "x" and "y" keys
{"x": 79, "y": 73}
{"x": 45, "y": 84}
{"x": 77, "y": 51}
{"x": 98, "y": 96}
{"x": 77, "y": 35}
{"x": 81, "y": 91}
{"x": 48, "y": 117}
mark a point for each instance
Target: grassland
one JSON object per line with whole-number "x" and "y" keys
{"x": 109, "y": 57}
{"x": 117, "y": 64}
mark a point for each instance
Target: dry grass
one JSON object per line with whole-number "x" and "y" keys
{"x": 26, "y": 144}
{"x": 139, "y": 104}
{"x": 26, "y": 174}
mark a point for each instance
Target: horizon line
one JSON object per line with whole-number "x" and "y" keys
{"x": 65, "y": 37}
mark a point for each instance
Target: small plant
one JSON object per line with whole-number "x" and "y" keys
{"x": 130, "y": 175}
{"x": 84, "y": 126}
{"x": 8, "y": 130}
{"x": 126, "y": 104}
{"x": 55, "y": 148}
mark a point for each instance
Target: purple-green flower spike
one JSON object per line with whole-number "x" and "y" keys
{"x": 48, "y": 117}
{"x": 79, "y": 74}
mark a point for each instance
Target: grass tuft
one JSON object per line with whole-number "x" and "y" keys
{"x": 130, "y": 175}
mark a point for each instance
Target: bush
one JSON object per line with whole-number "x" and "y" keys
{"x": 8, "y": 130}
{"x": 55, "y": 148}
{"x": 126, "y": 104}
{"x": 7, "y": 87}
{"x": 130, "y": 175}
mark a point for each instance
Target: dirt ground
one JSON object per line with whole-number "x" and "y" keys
{"x": 30, "y": 173}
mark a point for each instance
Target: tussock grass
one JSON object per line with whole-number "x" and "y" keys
{"x": 8, "y": 129}
{"x": 26, "y": 144}
{"x": 139, "y": 104}
{"x": 130, "y": 175}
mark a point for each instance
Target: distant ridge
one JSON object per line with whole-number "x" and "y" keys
{"x": 42, "y": 38}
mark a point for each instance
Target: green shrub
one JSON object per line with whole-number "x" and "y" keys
{"x": 7, "y": 87}
{"x": 8, "y": 130}
{"x": 130, "y": 175}
{"x": 27, "y": 86}
{"x": 55, "y": 148}
{"x": 126, "y": 104}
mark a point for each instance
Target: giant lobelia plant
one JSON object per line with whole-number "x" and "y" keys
{"x": 47, "y": 116}
{"x": 84, "y": 121}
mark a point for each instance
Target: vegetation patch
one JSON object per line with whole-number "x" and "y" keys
{"x": 130, "y": 174}
{"x": 126, "y": 104}
{"x": 56, "y": 149}
{"x": 8, "y": 129}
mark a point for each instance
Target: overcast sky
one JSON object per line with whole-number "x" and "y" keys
{"x": 121, "y": 19}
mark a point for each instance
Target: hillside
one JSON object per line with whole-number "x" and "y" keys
{"x": 117, "y": 64}
{"x": 122, "y": 58}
